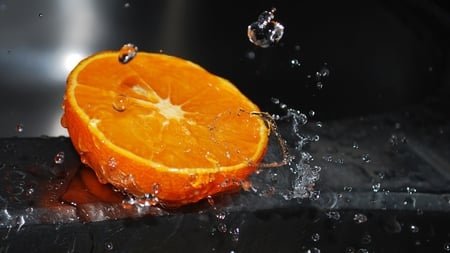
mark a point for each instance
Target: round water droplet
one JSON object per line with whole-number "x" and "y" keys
{"x": 295, "y": 63}
{"x": 414, "y": 228}
{"x": 447, "y": 246}
{"x": 40, "y": 15}
{"x": 59, "y": 158}
{"x": 127, "y": 53}
{"x": 265, "y": 32}
{"x": 109, "y": 246}
{"x": 19, "y": 128}
{"x": 120, "y": 103}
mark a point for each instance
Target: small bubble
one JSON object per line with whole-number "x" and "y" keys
{"x": 127, "y": 53}
{"x": 265, "y": 32}
{"x": 19, "y": 128}
{"x": 59, "y": 158}
{"x": 120, "y": 103}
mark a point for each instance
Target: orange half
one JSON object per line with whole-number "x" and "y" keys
{"x": 162, "y": 125}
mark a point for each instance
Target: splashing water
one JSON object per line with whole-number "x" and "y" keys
{"x": 127, "y": 53}
{"x": 265, "y": 32}
{"x": 292, "y": 175}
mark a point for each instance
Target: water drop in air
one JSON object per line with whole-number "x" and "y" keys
{"x": 127, "y": 53}
{"x": 265, "y": 32}
{"x": 59, "y": 158}
{"x": 19, "y": 128}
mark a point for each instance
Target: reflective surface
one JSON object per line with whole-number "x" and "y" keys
{"x": 380, "y": 56}
{"x": 372, "y": 82}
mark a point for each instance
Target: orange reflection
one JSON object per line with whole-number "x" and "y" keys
{"x": 85, "y": 188}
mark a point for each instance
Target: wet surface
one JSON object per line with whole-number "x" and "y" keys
{"x": 371, "y": 155}
{"x": 379, "y": 190}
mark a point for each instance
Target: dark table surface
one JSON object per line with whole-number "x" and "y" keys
{"x": 371, "y": 163}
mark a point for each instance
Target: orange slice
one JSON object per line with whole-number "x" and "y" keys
{"x": 162, "y": 126}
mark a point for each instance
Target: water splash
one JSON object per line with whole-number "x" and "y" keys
{"x": 265, "y": 32}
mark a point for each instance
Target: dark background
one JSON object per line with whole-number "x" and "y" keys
{"x": 381, "y": 55}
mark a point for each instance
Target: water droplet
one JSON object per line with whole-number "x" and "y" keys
{"x": 235, "y": 234}
{"x": 222, "y": 227}
{"x": 315, "y": 237}
{"x": 376, "y": 187}
{"x": 295, "y": 63}
{"x": 59, "y": 158}
{"x": 19, "y": 128}
{"x": 366, "y": 158}
{"x": 411, "y": 190}
{"x": 319, "y": 85}
{"x": 322, "y": 74}
{"x": 265, "y": 32}
{"x": 40, "y": 15}
{"x": 414, "y": 228}
{"x": 221, "y": 215}
{"x": 109, "y": 246}
{"x": 120, "y": 103}
{"x": 20, "y": 221}
{"x": 359, "y": 218}
{"x": 126, "y": 5}
{"x": 447, "y": 246}
{"x": 127, "y": 53}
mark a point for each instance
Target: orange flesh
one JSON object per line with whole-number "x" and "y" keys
{"x": 161, "y": 123}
